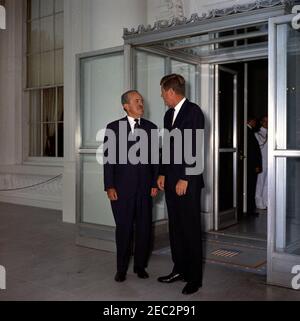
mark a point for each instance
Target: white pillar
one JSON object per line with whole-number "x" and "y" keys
{"x": 11, "y": 85}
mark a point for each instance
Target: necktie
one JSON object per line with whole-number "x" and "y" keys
{"x": 137, "y": 124}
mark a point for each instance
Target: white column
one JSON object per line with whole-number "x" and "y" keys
{"x": 11, "y": 85}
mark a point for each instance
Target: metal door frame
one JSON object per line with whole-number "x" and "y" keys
{"x": 218, "y": 150}
{"x": 279, "y": 263}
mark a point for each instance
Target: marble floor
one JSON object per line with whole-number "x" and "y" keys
{"x": 43, "y": 263}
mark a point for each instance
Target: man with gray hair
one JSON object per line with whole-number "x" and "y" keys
{"x": 131, "y": 186}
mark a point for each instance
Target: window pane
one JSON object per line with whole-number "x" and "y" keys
{"x": 59, "y": 5}
{"x": 47, "y": 7}
{"x": 101, "y": 86}
{"x": 293, "y": 89}
{"x": 35, "y": 140}
{"x": 33, "y": 71}
{"x": 33, "y": 9}
{"x": 47, "y": 68}
{"x": 288, "y": 206}
{"x": 149, "y": 71}
{"x": 60, "y": 104}
{"x": 293, "y": 205}
{"x": 188, "y": 71}
{"x": 49, "y": 140}
{"x": 49, "y": 105}
{"x": 35, "y": 107}
{"x": 60, "y": 140}
{"x": 47, "y": 36}
{"x": 59, "y": 67}
{"x": 226, "y": 185}
{"x": 33, "y": 45}
{"x": 59, "y": 31}
{"x": 95, "y": 207}
{"x": 226, "y": 109}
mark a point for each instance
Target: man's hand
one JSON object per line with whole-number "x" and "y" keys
{"x": 154, "y": 192}
{"x": 161, "y": 183}
{"x": 258, "y": 170}
{"x": 112, "y": 194}
{"x": 181, "y": 187}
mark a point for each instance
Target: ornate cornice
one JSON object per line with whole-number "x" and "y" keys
{"x": 215, "y": 13}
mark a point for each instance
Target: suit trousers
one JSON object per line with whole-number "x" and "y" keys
{"x": 251, "y": 190}
{"x": 185, "y": 230}
{"x": 133, "y": 216}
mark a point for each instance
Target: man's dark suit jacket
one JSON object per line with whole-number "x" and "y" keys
{"x": 254, "y": 158}
{"x": 127, "y": 179}
{"x": 190, "y": 116}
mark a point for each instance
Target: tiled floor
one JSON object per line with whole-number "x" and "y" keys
{"x": 43, "y": 263}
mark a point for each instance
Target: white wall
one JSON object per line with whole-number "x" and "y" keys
{"x": 89, "y": 25}
{"x": 11, "y": 85}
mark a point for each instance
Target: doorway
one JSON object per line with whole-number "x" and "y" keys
{"x": 241, "y": 90}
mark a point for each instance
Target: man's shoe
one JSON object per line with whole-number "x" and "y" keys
{"x": 173, "y": 277}
{"x": 191, "y": 288}
{"x": 120, "y": 277}
{"x": 141, "y": 273}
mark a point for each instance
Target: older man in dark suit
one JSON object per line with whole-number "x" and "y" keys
{"x": 131, "y": 186}
{"x": 183, "y": 191}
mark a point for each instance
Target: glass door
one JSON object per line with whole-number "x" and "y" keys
{"x": 149, "y": 68}
{"x": 100, "y": 83}
{"x": 284, "y": 153}
{"x": 225, "y": 203}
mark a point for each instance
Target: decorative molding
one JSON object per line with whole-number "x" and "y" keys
{"x": 215, "y": 13}
{"x": 169, "y": 9}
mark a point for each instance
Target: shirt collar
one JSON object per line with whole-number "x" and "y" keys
{"x": 132, "y": 120}
{"x": 179, "y": 105}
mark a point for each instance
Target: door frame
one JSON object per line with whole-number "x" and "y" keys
{"x": 218, "y": 150}
{"x": 279, "y": 267}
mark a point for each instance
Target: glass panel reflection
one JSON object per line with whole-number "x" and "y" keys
{"x": 101, "y": 90}
{"x": 293, "y": 89}
{"x": 226, "y": 182}
{"x": 95, "y": 206}
{"x": 293, "y": 206}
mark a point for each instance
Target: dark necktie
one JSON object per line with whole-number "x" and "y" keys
{"x": 137, "y": 124}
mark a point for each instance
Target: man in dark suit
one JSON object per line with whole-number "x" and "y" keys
{"x": 254, "y": 165}
{"x": 130, "y": 187}
{"x": 182, "y": 191}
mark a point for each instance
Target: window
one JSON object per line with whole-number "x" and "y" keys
{"x": 44, "y": 84}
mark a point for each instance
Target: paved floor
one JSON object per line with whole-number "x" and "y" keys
{"x": 43, "y": 263}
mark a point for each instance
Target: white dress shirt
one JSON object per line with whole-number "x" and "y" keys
{"x": 177, "y": 109}
{"x": 132, "y": 122}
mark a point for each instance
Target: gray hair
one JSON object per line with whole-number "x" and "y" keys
{"x": 125, "y": 96}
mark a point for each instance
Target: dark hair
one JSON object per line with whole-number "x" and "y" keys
{"x": 251, "y": 117}
{"x": 175, "y": 82}
{"x": 125, "y": 96}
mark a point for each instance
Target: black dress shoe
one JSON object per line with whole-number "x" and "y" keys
{"x": 191, "y": 288}
{"x": 173, "y": 277}
{"x": 141, "y": 273}
{"x": 120, "y": 277}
